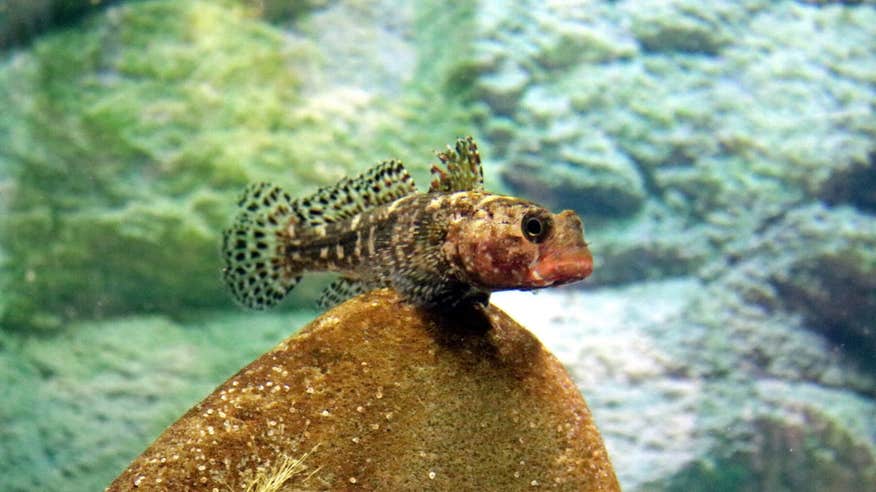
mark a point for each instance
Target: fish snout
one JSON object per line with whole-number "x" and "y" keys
{"x": 565, "y": 257}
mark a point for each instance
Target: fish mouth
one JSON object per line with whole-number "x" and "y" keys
{"x": 561, "y": 269}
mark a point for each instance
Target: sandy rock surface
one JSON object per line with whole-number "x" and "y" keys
{"x": 379, "y": 395}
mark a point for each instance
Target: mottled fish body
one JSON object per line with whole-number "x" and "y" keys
{"x": 455, "y": 243}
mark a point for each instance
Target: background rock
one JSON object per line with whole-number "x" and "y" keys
{"x": 694, "y": 389}
{"x": 819, "y": 263}
{"x": 724, "y": 114}
{"x": 125, "y": 149}
{"x": 81, "y": 405}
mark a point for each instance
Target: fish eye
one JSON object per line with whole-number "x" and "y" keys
{"x": 535, "y": 227}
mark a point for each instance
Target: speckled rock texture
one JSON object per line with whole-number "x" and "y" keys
{"x": 379, "y": 395}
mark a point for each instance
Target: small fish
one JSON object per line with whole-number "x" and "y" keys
{"x": 456, "y": 243}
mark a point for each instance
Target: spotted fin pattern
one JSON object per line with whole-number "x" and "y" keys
{"x": 383, "y": 183}
{"x": 256, "y": 270}
{"x": 460, "y": 168}
{"x": 339, "y": 291}
{"x": 263, "y": 248}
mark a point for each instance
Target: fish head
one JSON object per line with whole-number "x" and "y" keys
{"x": 514, "y": 244}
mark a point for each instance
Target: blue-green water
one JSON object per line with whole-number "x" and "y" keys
{"x": 722, "y": 155}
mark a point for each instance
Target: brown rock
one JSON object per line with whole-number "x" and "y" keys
{"x": 379, "y": 395}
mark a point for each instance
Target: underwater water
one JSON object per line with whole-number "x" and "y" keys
{"x": 722, "y": 155}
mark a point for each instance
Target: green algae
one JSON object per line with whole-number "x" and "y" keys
{"x": 114, "y": 146}
{"x": 129, "y": 138}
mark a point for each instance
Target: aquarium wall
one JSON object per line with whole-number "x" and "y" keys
{"x": 722, "y": 155}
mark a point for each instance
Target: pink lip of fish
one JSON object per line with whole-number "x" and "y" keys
{"x": 456, "y": 243}
{"x": 566, "y": 259}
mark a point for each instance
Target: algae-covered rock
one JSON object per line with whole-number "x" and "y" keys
{"x": 380, "y": 395}
{"x": 800, "y": 437}
{"x": 129, "y": 139}
{"x": 126, "y": 139}
{"x": 78, "y": 406}
{"x": 664, "y": 253}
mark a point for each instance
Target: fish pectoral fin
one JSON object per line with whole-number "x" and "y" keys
{"x": 431, "y": 291}
{"x": 340, "y": 290}
{"x": 460, "y": 168}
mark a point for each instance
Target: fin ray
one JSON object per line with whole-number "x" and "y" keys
{"x": 382, "y": 184}
{"x": 460, "y": 168}
{"x": 256, "y": 270}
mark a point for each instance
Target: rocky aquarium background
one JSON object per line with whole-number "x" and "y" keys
{"x": 722, "y": 154}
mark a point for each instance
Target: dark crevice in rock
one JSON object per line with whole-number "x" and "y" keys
{"x": 824, "y": 3}
{"x": 838, "y": 304}
{"x": 780, "y": 454}
{"x": 679, "y": 42}
{"x": 280, "y": 11}
{"x": 856, "y": 186}
{"x": 649, "y": 182}
{"x": 21, "y": 21}
{"x": 777, "y": 217}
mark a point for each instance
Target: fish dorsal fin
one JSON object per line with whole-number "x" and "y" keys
{"x": 382, "y": 184}
{"x": 460, "y": 168}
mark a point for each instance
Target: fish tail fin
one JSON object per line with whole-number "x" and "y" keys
{"x": 258, "y": 270}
